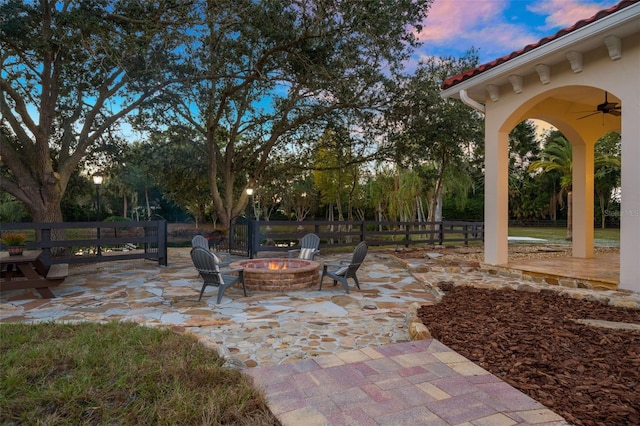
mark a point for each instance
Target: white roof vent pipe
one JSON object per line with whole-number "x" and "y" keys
{"x": 464, "y": 97}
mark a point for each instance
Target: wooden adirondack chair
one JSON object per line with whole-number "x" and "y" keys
{"x": 346, "y": 268}
{"x": 208, "y": 265}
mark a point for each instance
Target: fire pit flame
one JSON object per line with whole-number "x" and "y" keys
{"x": 277, "y": 266}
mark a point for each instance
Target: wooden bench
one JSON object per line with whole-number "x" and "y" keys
{"x": 28, "y": 271}
{"x": 58, "y": 272}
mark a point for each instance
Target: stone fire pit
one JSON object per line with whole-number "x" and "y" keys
{"x": 278, "y": 274}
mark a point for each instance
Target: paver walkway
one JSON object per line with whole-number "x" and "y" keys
{"x": 323, "y": 357}
{"x": 414, "y": 383}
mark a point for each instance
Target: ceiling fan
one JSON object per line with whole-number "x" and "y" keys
{"x": 605, "y": 108}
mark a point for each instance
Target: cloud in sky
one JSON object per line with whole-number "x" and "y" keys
{"x": 565, "y": 13}
{"x": 498, "y": 27}
{"x": 450, "y": 18}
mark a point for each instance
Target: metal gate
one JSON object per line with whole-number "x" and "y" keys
{"x": 239, "y": 237}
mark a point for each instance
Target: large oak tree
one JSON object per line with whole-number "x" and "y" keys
{"x": 71, "y": 71}
{"x": 273, "y": 73}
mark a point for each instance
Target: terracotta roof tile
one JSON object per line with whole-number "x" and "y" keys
{"x": 452, "y": 81}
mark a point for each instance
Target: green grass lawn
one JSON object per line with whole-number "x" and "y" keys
{"x": 608, "y": 236}
{"x": 119, "y": 374}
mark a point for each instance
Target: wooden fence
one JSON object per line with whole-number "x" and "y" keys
{"x": 282, "y": 235}
{"x": 91, "y": 242}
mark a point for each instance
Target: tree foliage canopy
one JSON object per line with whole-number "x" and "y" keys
{"x": 71, "y": 72}
{"x": 271, "y": 73}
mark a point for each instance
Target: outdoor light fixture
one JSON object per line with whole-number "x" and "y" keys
{"x": 97, "y": 180}
{"x": 253, "y": 207}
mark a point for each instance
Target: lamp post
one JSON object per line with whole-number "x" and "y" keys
{"x": 251, "y": 210}
{"x": 97, "y": 181}
{"x": 250, "y": 229}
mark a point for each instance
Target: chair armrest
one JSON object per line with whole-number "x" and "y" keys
{"x": 292, "y": 252}
{"x": 227, "y": 271}
{"x": 224, "y": 257}
{"x": 337, "y": 265}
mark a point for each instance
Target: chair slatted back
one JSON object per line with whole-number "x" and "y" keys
{"x": 207, "y": 264}
{"x": 309, "y": 245}
{"x": 200, "y": 241}
{"x": 310, "y": 241}
{"x": 359, "y": 253}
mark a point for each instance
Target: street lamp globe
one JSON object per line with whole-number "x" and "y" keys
{"x": 97, "y": 178}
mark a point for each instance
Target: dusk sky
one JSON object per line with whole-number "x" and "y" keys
{"x": 498, "y": 27}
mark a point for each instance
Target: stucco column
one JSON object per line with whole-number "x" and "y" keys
{"x": 630, "y": 206}
{"x": 496, "y": 196}
{"x": 582, "y": 182}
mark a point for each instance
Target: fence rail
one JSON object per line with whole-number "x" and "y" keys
{"x": 278, "y": 235}
{"x": 91, "y": 242}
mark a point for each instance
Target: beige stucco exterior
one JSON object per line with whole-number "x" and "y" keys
{"x": 545, "y": 84}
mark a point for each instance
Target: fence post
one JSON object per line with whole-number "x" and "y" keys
{"x": 362, "y": 231}
{"x": 441, "y": 234}
{"x": 253, "y": 237}
{"x": 249, "y": 238}
{"x": 407, "y": 236}
{"x": 466, "y": 234}
{"x": 45, "y": 240}
{"x": 99, "y": 249}
{"x": 162, "y": 243}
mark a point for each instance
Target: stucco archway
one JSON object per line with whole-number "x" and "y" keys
{"x": 553, "y": 80}
{"x": 569, "y": 109}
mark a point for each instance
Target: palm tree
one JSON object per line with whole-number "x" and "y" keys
{"x": 558, "y": 156}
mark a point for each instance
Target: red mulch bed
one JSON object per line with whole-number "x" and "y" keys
{"x": 588, "y": 375}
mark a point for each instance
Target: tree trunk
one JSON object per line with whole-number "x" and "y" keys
{"x": 330, "y": 219}
{"x": 146, "y": 198}
{"x": 439, "y": 207}
{"x": 603, "y": 222}
{"x": 51, "y": 212}
{"x": 435, "y": 203}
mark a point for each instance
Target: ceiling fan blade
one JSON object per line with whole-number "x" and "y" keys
{"x": 614, "y": 112}
{"x": 589, "y": 115}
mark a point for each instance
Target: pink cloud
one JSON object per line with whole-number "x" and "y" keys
{"x": 451, "y": 18}
{"x": 565, "y": 13}
{"x": 504, "y": 36}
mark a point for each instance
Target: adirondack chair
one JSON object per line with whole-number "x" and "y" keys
{"x": 208, "y": 265}
{"x": 346, "y": 268}
{"x": 202, "y": 242}
{"x": 308, "y": 247}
